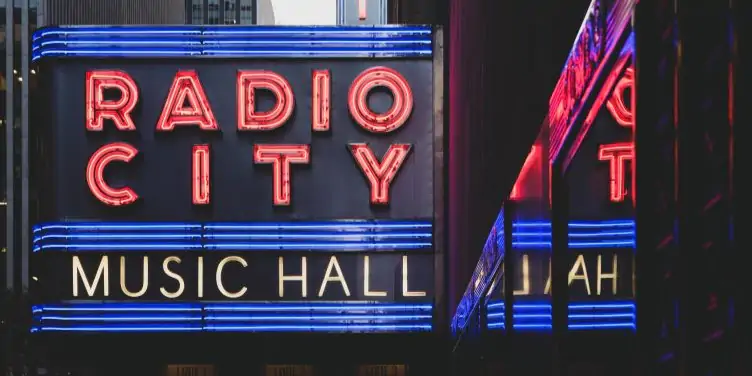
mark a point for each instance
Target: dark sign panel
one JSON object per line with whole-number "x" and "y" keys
{"x": 251, "y": 168}
{"x": 236, "y": 169}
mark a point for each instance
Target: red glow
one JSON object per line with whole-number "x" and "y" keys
{"x": 616, "y": 104}
{"x": 186, "y": 87}
{"x": 114, "y": 152}
{"x": 533, "y": 158}
{"x": 281, "y": 156}
{"x": 201, "y": 175}
{"x": 402, "y": 106}
{"x": 119, "y": 111}
{"x": 362, "y": 10}
{"x": 380, "y": 174}
{"x": 322, "y": 93}
{"x": 247, "y": 84}
{"x": 617, "y": 156}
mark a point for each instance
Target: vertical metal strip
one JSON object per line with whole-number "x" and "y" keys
{"x": 510, "y": 262}
{"x": 24, "y": 230}
{"x": 383, "y": 12}
{"x": 221, "y": 5}
{"x": 238, "y": 6}
{"x": 9, "y": 150}
{"x": 441, "y": 310}
{"x": 559, "y": 267}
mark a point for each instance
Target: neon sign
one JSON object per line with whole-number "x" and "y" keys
{"x": 619, "y": 154}
{"x": 579, "y": 70}
{"x": 187, "y": 104}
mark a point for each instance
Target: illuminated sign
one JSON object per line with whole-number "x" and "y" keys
{"x": 294, "y": 168}
{"x": 579, "y": 70}
{"x": 188, "y": 105}
{"x": 250, "y": 276}
{"x": 596, "y": 274}
{"x": 620, "y": 155}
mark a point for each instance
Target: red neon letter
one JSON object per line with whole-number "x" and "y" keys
{"x": 321, "y": 98}
{"x": 114, "y": 152}
{"x": 186, "y": 87}
{"x": 119, "y": 111}
{"x": 281, "y": 156}
{"x": 251, "y": 120}
{"x": 616, "y": 105}
{"x": 617, "y": 156}
{"x": 530, "y": 161}
{"x": 402, "y": 106}
{"x": 201, "y": 175}
{"x": 380, "y": 174}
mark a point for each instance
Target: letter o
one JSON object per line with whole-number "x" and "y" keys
{"x": 392, "y": 119}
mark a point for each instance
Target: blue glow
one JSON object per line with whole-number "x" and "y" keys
{"x": 578, "y": 224}
{"x": 602, "y": 244}
{"x": 324, "y": 236}
{"x": 316, "y": 307}
{"x": 319, "y": 328}
{"x": 233, "y": 41}
{"x": 351, "y": 235}
{"x": 582, "y": 235}
{"x": 228, "y": 317}
{"x": 582, "y": 316}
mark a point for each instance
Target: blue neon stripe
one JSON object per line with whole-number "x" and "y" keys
{"x": 321, "y": 236}
{"x": 582, "y": 316}
{"x": 233, "y": 41}
{"x": 234, "y": 317}
{"x": 346, "y": 235}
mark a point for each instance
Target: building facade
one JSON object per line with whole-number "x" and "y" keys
{"x": 287, "y": 12}
{"x": 18, "y": 84}
{"x": 110, "y": 12}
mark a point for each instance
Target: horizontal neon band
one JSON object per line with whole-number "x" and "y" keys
{"x": 592, "y": 234}
{"x": 235, "y": 316}
{"x": 610, "y": 306}
{"x": 320, "y": 328}
{"x": 579, "y": 224}
{"x": 343, "y": 225}
{"x": 581, "y": 316}
{"x": 597, "y": 244}
{"x": 353, "y": 235}
{"x": 547, "y": 327}
{"x": 234, "y": 41}
{"x": 355, "y": 247}
{"x": 592, "y": 316}
{"x": 241, "y": 328}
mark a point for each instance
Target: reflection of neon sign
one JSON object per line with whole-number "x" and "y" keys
{"x": 577, "y": 76}
{"x": 620, "y": 153}
{"x": 187, "y": 105}
{"x": 533, "y": 158}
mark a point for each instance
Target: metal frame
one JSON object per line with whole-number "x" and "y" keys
{"x": 9, "y": 145}
{"x": 439, "y": 235}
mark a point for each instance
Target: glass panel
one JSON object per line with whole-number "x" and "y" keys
{"x": 213, "y": 12}
{"x": 230, "y": 8}
{"x": 197, "y": 12}
{"x": 246, "y": 12}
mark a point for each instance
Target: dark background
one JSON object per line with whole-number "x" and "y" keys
{"x": 331, "y": 187}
